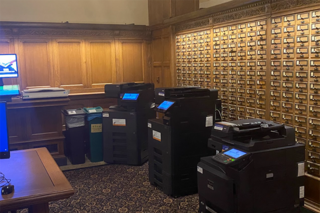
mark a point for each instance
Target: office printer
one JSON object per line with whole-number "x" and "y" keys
{"x": 258, "y": 168}
{"x": 131, "y": 96}
{"x": 178, "y": 138}
{"x": 125, "y": 131}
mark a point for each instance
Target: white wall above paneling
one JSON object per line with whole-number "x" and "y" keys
{"x": 76, "y": 11}
{"x": 211, "y": 3}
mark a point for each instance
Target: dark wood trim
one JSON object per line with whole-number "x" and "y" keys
{"x": 52, "y": 25}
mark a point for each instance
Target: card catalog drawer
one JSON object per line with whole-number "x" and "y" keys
{"x": 242, "y": 27}
{"x": 301, "y": 132}
{"x": 261, "y": 84}
{"x": 251, "y": 112}
{"x": 275, "y": 105}
{"x": 301, "y": 98}
{"x": 313, "y": 169}
{"x": 301, "y": 87}
{"x": 232, "y": 100}
{"x": 241, "y": 74}
{"x": 314, "y": 88}
{"x": 300, "y": 121}
{"x": 303, "y": 52}
{"x": 287, "y": 119}
{"x": 241, "y": 101}
{"x": 287, "y": 75}
{"x": 276, "y": 65}
{"x": 241, "y": 83}
{"x": 301, "y": 140}
{"x": 314, "y": 123}
{"x": 241, "y": 91}
{"x": 241, "y": 46}
{"x": 287, "y": 107}
{"x": 261, "y": 75}
{"x": 303, "y": 18}
{"x": 314, "y": 99}
{"x": 275, "y": 116}
{"x": 288, "y": 65}
{"x": 287, "y": 96}
{"x": 288, "y": 53}
{"x": 313, "y": 146}
{"x": 251, "y": 102}
{"x": 313, "y": 157}
{"x": 241, "y": 110}
{"x": 301, "y": 76}
{"x": 252, "y": 26}
{"x": 288, "y": 42}
{"x": 276, "y": 54}
{"x": 275, "y": 85}
{"x": 276, "y": 32}
{"x": 302, "y": 40}
{"x": 315, "y": 52}
{"x": 261, "y": 103}
{"x": 275, "y": 75}
{"x": 301, "y": 109}
{"x": 287, "y": 86}
{"x": 261, "y": 114}
{"x": 276, "y": 22}
{"x": 315, "y": 40}
{"x": 262, "y": 34}
{"x": 251, "y": 84}
{"x": 251, "y": 93}
{"x": 262, "y": 44}
{"x": 314, "y": 111}
{"x": 302, "y": 65}
{"x": 315, "y": 28}
{"x": 303, "y": 29}
{"x": 314, "y": 65}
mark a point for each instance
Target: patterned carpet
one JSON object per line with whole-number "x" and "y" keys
{"x": 119, "y": 188}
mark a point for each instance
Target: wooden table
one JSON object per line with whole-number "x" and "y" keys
{"x": 36, "y": 178}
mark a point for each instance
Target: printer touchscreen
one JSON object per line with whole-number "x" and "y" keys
{"x": 130, "y": 96}
{"x": 165, "y": 105}
{"x": 234, "y": 153}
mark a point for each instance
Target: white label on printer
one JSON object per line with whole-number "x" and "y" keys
{"x": 161, "y": 94}
{"x": 105, "y": 115}
{"x": 72, "y": 112}
{"x": 119, "y": 122}
{"x": 217, "y": 152}
{"x": 156, "y": 135}
{"x": 92, "y": 110}
{"x": 301, "y": 194}
{"x": 218, "y": 127}
{"x": 199, "y": 169}
{"x": 300, "y": 169}
{"x": 209, "y": 121}
{"x": 149, "y": 125}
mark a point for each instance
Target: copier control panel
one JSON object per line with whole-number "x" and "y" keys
{"x": 229, "y": 156}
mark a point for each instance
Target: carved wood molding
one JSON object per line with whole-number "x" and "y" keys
{"x": 74, "y": 33}
{"x": 195, "y": 24}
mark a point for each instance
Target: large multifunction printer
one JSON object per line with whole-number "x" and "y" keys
{"x": 125, "y": 133}
{"x": 178, "y": 137}
{"x": 258, "y": 168}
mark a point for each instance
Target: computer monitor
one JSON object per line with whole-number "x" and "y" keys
{"x": 8, "y": 67}
{"x": 4, "y": 136}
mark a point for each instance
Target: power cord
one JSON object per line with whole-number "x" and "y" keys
{"x": 3, "y": 180}
{"x": 219, "y": 114}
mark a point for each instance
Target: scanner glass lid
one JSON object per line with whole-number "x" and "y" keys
{"x": 130, "y": 96}
{"x": 234, "y": 153}
{"x": 165, "y": 105}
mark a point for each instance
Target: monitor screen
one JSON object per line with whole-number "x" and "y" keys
{"x": 4, "y": 142}
{"x": 165, "y": 105}
{"x": 8, "y": 66}
{"x": 235, "y": 153}
{"x": 9, "y": 90}
{"x": 130, "y": 96}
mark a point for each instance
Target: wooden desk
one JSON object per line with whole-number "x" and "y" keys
{"x": 36, "y": 178}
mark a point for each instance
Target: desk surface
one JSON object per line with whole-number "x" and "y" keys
{"x": 36, "y": 178}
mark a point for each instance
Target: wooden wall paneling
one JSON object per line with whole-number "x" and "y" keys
{"x": 36, "y": 64}
{"x": 166, "y": 76}
{"x": 156, "y": 11}
{"x": 101, "y": 67}
{"x": 157, "y": 58}
{"x": 132, "y": 60}
{"x": 185, "y": 6}
{"x": 69, "y": 66}
{"x": 147, "y": 61}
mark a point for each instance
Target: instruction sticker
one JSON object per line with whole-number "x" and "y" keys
{"x": 300, "y": 169}
{"x": 209, "y": 121}
{"x": 149, "y": 125}
{"x": 199, "y": 169}
{"x": 92, "y": 110}
{"x": 301, "y": 194}
{"x": 96, "y": 128}
{"x": 73, "y": 112}
{"x": 156, "y": 135}
{"x": 105, "y": 115}
{"x": 119, "y": 122}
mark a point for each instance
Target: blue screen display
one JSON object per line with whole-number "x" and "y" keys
{"x": 165, "y": 105}
{"x": 130, "y": 96}
{"x": 235, "y": 153}
{"x": 8, "y": 66}
{"x": 9, "y": 90}
{"x": 3, "y": 128}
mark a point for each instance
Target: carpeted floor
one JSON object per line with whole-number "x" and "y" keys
{"x": 119, "y": 188}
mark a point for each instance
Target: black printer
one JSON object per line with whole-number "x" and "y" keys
{"x": 125, "y": 133}
{"x": 178, "y": 138}
{"x": 258, "y": 168}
